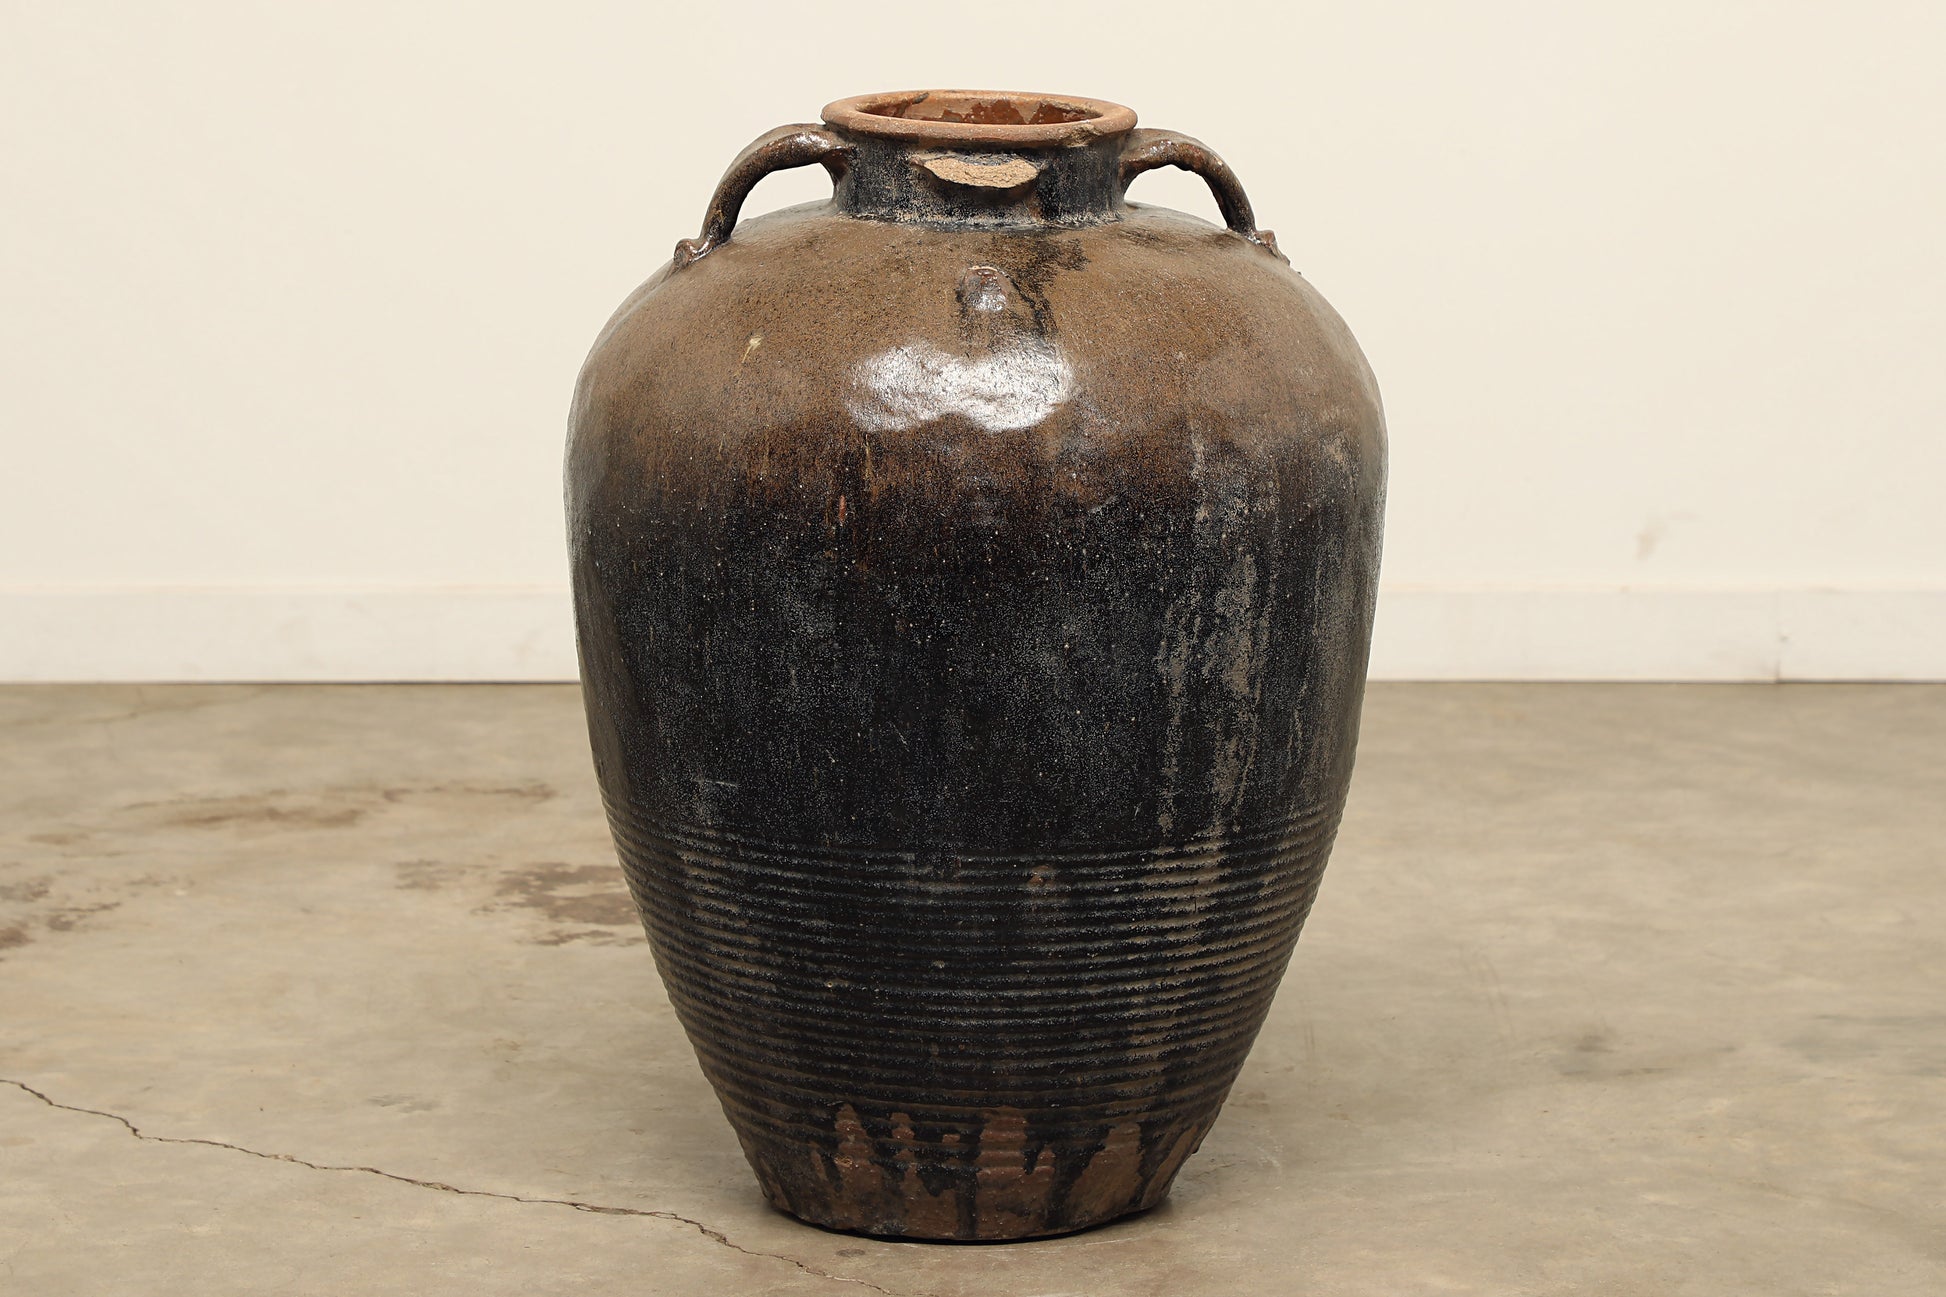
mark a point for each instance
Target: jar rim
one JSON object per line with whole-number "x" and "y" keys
{"x": 991, "y": 117}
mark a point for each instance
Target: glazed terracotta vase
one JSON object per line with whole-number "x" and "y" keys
{"x": 974, "y": 577}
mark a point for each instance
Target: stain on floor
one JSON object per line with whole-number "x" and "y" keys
{"x": 281, "y": 810}
{"x": 580, "y": 903}
{"x": 56, "y": 903}
{"x": 592, "y": 897}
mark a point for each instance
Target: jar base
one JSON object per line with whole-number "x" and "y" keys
{"x": 999, "y": 1192}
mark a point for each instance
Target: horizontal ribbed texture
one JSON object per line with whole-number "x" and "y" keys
{"x": 882, "y": 1009}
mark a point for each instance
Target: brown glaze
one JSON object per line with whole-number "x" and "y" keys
{"x": 1146, "y": 150}
{"x": 974, "y": 577}
{"x": 778, "y": 150}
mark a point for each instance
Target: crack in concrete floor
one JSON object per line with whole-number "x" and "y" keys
{"x": 715, "y": 1236}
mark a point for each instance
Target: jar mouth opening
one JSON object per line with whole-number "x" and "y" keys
{"x": 988, "y": 117}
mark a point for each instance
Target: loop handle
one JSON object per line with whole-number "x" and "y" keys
{"x": 1147, "y": 149}
{"x": 778, "y": 150}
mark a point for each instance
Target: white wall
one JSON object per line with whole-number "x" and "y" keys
{"x": 292, "y": 296}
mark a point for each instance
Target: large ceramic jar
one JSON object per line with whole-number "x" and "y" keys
{"x": 974, "y": 576}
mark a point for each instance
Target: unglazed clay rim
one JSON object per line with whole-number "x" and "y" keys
{"x": 856, "y": 115}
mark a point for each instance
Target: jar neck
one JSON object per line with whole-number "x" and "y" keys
{"x": 981, "y": 186}
{"x": 981, "y": 159}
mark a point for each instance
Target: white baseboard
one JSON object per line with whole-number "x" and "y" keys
{"x": 1660, "y": 634}
{"x": 526, "y": 633}
{"x": 297, "y": 634}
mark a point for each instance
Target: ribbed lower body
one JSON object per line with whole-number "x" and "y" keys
{"x": 936, "y": 1044}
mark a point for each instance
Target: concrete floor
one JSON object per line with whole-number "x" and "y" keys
{"x": 1611, "y": 989}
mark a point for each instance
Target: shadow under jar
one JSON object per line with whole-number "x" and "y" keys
{"x": 974, "y": 580}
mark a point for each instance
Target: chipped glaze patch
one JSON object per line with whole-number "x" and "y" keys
{"x": 982, "y": 173}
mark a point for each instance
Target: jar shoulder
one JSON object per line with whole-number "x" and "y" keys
{"x": 808, "y": 318}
